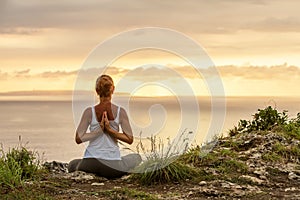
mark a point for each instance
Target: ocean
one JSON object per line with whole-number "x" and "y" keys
{"x": 48, "y": 127}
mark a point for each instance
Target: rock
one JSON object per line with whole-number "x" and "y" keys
{"x": 289, "y": 189}
{"x": 238, "y": 187}
{"x": 254, "y": 189}
{"x": 227, "y": 185}
{"x": 262, "y": 177}
{"x": 125, "y": 177}
{"x": 202, "y": 183}
{"x": 79, "y": 176}
{"x": 291, "y": 166}
{"x": 28, "y": 182}
{"x": 56, "y": 167}
{"x": 97, "y": 184}
{"x": 250, "y": 165}
{"x": 293, "y": 176}
{"x": 256, "y": 156}
{"x": 253, "y": 179}
{"x": 260, "y": 172}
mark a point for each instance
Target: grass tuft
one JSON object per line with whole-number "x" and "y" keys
{"x": 17, "y": 166}
{"x": 163, "y": 171}
{"x": 161, "y": 164}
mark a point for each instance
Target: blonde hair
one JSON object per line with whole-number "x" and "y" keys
{"x": 104, "y": 86}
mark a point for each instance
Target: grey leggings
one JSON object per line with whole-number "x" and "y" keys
{"x": 106, "y": 168}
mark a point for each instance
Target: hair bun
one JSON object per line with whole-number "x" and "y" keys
{"x": 104, "y": 86}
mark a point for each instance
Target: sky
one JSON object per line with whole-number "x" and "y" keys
{"x": 254, "y": 44}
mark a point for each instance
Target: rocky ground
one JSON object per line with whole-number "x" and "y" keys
{"x": 256, "y": 165}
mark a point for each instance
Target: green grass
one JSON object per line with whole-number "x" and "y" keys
{"x": 271, "y": 157}
{"x": 203, "y": 175}
{"x": 273, "y": 171}
{"x": 295, "y": 151}
{"x": 241, "y": 180}
{"x": 27, "y": 192}
{"x": 10, "y": 174}
{"x": 191, "y": 156}
{"x": 233, "y": 145}
{"x": 162, "y": 171}
{"x": 282, "y": 153}
{"x": 228, "y": 153}
{"x": 162, "y": 164}
{"x": 228, "y": 166}
{"x": 16, "y": 166}
{"x": 292, "y": 130}
{"x": 221, "y": 163}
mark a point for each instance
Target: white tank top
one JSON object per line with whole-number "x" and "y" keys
{"x": 105, "y": 146}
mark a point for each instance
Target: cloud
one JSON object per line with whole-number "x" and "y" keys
{"x": 196, "y": 16}
{"x": 22, "y": 72}
{"x": 276, "y": 72}
{"x": 275, "y": 24}
{"x": 62, "y": 14}
{"x": 158, "y": 73}
{"x": 19, "y": 31}
{"x": 151, "y": 73}
{"x": 56, "y": 74}
{"x": 237, "y": 80}
{"x": 3, "y": 75}
{"x": 61, "y": 74}
{"x": 88, "y": 74}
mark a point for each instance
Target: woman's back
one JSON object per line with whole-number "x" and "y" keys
{"x": 105, "y": 146}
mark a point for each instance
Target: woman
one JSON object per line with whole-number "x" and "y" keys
{"x": 102, "y": 155}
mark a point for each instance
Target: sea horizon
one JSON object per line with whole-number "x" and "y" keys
{"x": 67, "y": 95}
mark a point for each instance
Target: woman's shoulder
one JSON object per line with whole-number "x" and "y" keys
{"x": 88, "y": 111}
{"x": 114, "y": 106}
{"x": 87, "y": 114}
{"x": 118, "y": 107}
{"x": 122, "y": 112}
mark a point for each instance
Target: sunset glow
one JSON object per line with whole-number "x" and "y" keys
{"x": 253, "y": 44}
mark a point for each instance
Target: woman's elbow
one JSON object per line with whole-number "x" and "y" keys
{"x": 77, "y": 139}
{"x": 130, "y": 140}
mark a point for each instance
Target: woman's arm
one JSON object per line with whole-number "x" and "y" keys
{"x": 126, "y": 136}
{"x": 81, "y": 134}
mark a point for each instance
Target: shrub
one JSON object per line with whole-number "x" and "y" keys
{"x": 292, "y": 128}
{"x": 263, "y": 120}
{"x": 17, "y": 165}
